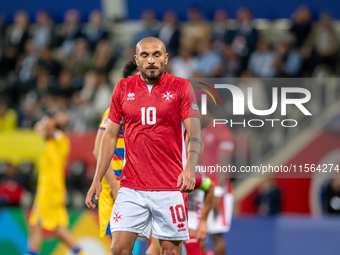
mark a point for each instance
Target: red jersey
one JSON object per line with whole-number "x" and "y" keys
{"x": 153, "y": 128}
{"x": 215, "y": 140}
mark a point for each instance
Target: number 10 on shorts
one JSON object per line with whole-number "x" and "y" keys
{"x": 149, "y": 120}
{"x": 180, "y": 214}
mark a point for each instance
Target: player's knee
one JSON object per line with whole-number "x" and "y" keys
{"x": 117, "y": 249}
{"x": 170, "y": 252}
{"x": 170, "y": 249}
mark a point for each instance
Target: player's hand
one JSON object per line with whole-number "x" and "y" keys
{"x": 188, "y": 183}
{"x": 202, "y": 230}
{"x": 94, "y": 192}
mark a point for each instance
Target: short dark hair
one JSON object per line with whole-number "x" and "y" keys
{"x": 130, "y": 69}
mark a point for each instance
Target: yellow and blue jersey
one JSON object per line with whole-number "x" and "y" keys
{"x": 117, "y": 161}
{"x": 49, "y": 208}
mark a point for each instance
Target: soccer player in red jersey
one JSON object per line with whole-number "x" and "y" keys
{"x": 157, "y": 109}
{"x": 218, "y": 147}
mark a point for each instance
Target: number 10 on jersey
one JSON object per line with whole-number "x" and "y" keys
{"x": 150, "y": 120}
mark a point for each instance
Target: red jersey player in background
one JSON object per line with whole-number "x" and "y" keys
{"x": 218, "y": 148}
{"x": 157, "y": 109}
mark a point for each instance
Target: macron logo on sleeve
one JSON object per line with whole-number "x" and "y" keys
{"x": 131, "y": 96}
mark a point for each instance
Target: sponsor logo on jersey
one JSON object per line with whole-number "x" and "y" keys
{"x": 131, "y": 96}
{"x": 181, "y": 227}
{"x": 167, "y": 96}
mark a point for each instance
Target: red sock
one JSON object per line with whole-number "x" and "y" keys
{"x": 192, "y": 246}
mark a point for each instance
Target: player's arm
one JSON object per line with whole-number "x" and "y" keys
{"x": 106, "y": 151}
{"x": 193, "y": 130}
{"x": 202, "y": 228}
{"x": 109, "y": 176}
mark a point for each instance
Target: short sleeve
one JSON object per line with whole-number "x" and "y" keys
{"x": 115, "y": 113}
{"x": 105, "y": 117}
{"x": 189, "y": 107}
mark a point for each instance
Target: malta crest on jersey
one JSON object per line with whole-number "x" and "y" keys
{"x": 167, "y": 96}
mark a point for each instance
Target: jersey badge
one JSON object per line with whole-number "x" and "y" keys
{"x": 167, "y": 96}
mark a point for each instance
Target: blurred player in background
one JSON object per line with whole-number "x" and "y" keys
{"x": 218, "y": 148}
{"x": 199, "y": 205}
{"x": 156, "y": 108}
{"x": 110, "y": 182}
{"x": 49, "y": 210}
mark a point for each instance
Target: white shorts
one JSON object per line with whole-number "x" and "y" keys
{"x": 220, "y": 222}
{"x": 165, "y": 212}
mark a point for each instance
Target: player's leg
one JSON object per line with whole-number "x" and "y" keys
{"x": 154, "y": 247}
{"x": 169, "y": 220}
{"x": 130, "y": 220}
{"x": 123, "y": 242}
{"x": 35, "y": 240}
{"x": 170, "y": 247}
{"x": 220, "y": 222}
{"x": 220, "y": 247}
{"x": 67, "y": 238}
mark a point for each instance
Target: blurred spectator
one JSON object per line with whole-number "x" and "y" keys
{"x": 94, "y": 98}
{"x": 102, "y": 95}
{"x": 19, "y": 34}
{"x": 183, "y": 64}
{"x": 231, "y": 63}
{"x": 150, "y": 26}
{"x": 8, "y": 117}
{"x": 332, "y": 195}
{"x": 95, "y": 30}
{"x": 43, "y": 33}
{"x": 10, "y": 189}
{"x": 46, "y": 61}
{"x": 170, "y": 33}
{"x": 195, "y": 30}
{"x": 79, "y": 61}
{"x": 207, "y": 63}
{"x": 261, "y": 61}
{"x": 128, "y": 52}
{"x": 321, "y": 46}
{"x": 44, "y": 87}
{"x": 259, "y": 93}
{"x": 3, "y": 28}
{"x": 66, "y": 87}
{"x": 246, "y": 36}
{"x": 221, "y": 35}
{"x": 69, "y": 31}
{"x": 269, "y": 198}
{"x": 8, "y": 61}
{"x": 29, "y": 61}
{"x": 28, "y": 112}
{"x": 103, "y": 58}
{"x": 302, "y": 26}
{"x": 289, "y": 61}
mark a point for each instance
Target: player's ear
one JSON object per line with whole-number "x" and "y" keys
{"x": 166, "y": 58}
{"x": 136, "y": 60}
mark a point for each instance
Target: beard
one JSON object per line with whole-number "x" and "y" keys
{"x": 154, "y": 75}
